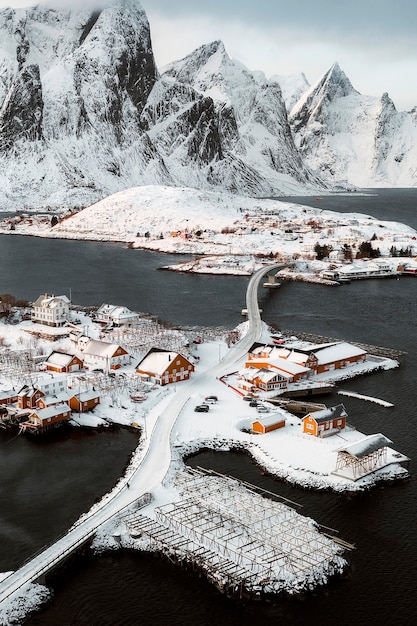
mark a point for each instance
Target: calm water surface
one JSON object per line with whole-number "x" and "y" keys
{"x": 129, "y": 589}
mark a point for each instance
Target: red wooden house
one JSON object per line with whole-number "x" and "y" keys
{"x": 326, "y": 422}
{"x": 165, "y": 367}
{"x": 268, "y": 424}
{"x": 84, "y": 401}
{"x": 62, "y": 362}
{"x": 42, "y": 420}
{"x": 27, "y": 397}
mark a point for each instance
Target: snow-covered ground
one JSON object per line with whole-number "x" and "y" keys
{"x": 236, "y": 234}
{"x": 286, "y": 453}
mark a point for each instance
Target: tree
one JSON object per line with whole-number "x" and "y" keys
{"x": 322, "y": 252}
{"x": 54, "y": 220}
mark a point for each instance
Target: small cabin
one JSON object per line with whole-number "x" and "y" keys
{"x": 84, "y": 401}
{"x": 8, "y": 397}
{"x": 61, "y": 362}
{"x": 326, "y": 422}
{"x": 268, "y": 424}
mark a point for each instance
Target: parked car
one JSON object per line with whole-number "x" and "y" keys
{"x": 247, "y": 398}
{"x": 211, "y": 399}
{"x": 202, "y": 408}
{"x": 262, "y": 409}
{"x": 253, "y": 403}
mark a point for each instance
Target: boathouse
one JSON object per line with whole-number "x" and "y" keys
{"x": 326, "y": 422}
{"x": 43, "y": 420}
{"x": 268, "y": 424}
{"x": 362, "y": 457}
{"x": 164, "y": 367}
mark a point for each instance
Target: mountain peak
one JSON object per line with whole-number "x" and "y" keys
{"x": 335, "y": 83}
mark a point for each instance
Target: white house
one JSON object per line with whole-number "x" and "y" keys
{"x": 51, "y": 310}
{"x": 103, "y": 355}
{"x": 117, "y": 315}
{"x": 52, "y": 385}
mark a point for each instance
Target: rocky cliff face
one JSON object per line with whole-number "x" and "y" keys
{"x": 84, "y": 113}
{"x": 356, "y": 139}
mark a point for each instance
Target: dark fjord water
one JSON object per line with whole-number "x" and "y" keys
{"x": 47, "y": 485}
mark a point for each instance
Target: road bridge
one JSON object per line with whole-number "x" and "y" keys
{"x": 153, "y": 467}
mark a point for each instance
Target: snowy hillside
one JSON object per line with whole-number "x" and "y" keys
{"x": 353, "y": 138}
{"x": 236, "y": 234}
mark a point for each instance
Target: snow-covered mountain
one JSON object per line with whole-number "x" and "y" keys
{"x": 85, "y": 113}
{"x": 353, "y": 138}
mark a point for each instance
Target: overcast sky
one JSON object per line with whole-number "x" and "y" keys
{"x": 374, "y": 41}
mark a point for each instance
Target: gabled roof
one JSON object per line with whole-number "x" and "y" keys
{"x": 51, "y": 411}
{"x": 102, "y": 348}
{"x": 270, "y": 420}
{"x": 5, "y": 395}
{"x": 366, "y": 446}
{"x": 60, "y": 359}
{"x": 157, "y": 361}
{"x": 84, "y": 396}
{"x": 338, "y": 352}
{"x": 330, "y": 413}
{"x": 116, "y": 312}
{"x": 46, "y": 301}
{"x": 57, "y": 398}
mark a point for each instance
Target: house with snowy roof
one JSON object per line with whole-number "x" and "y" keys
{"x": 8, "y": 397}
{"x": 326, "y": 422}
{"x": 116, "y": 315}
{"x": 318, "y": 358}
{"x": 43, "y": 420}
{"x": 62, "y": 362}
{"x": 164, "y": 367}
{"x": 84, "y": 401}
{"x": 51, "y": 310}
{"x": 269, "y": 423}
{"x": 263, "y": 379}
{"x": 27, "y": 397}
{"x": 45, "y": 401}
{"x": 103, "y": 355}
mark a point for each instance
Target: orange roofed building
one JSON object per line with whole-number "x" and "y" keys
{"x": 165, "y": 367}
{"x": 326, "y": 422}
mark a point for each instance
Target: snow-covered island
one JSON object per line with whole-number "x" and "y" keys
{"x": 232, "y": 234}
{"x": 341, "y": 458}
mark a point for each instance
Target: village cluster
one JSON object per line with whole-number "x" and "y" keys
{"x": 62, "y": 383}
{"x": 83, "y": 369}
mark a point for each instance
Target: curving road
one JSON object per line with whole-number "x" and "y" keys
{"x": 155, "y": 463}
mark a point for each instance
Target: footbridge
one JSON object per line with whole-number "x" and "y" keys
{"x": 152, "y": 468}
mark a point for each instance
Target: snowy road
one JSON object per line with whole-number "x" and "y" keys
{"x": 155, "y": 463}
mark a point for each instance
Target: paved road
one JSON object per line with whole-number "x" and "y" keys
{"x": 155, "y": 464}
